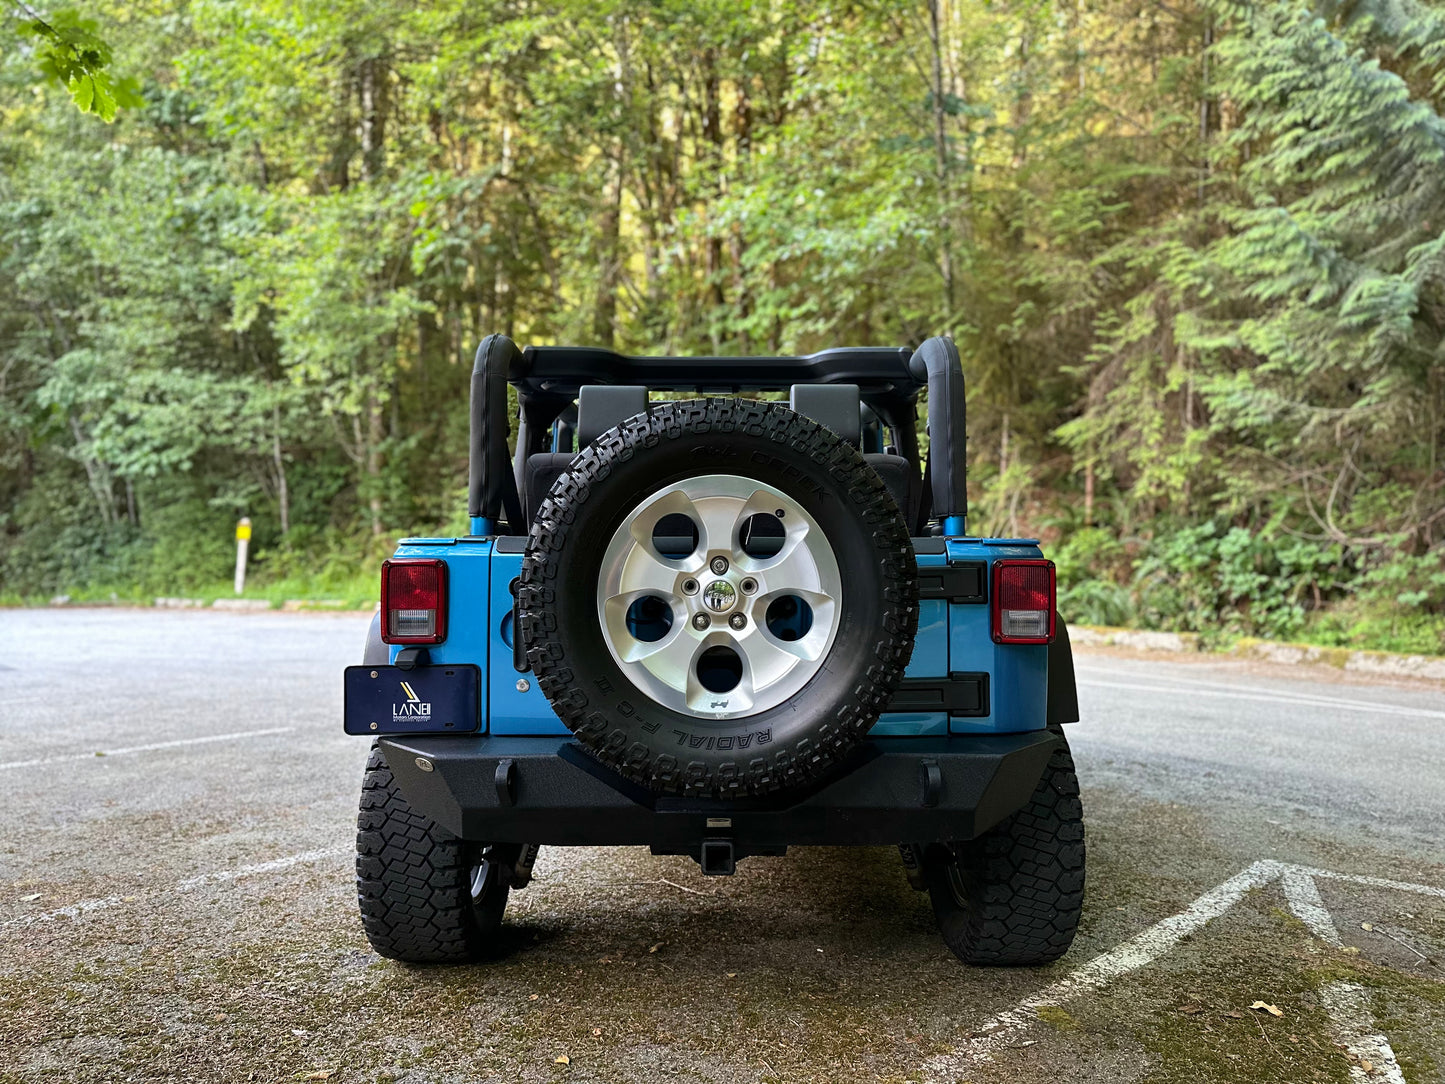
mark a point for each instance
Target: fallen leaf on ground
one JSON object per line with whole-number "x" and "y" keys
{"x": 657, "y": 946}
{"x": 1367, "y": 925}
{"x": 1234, "y": 1014}
{"x": 1273, "y": 1010}
{"x": 30, "y": 898}
{"x": 533, "y": 997}
{"x": 1191, "y": 1010}
{"x": 1366, "y": 1065}
{"x": 596, "y": 1031}
{"x": 561, "y": 1059}
{"x": 732, "y": 974}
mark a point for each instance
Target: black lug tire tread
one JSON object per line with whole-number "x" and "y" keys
{"x": 1023, "y": 879}
{"x": 413, "y": 880}
{"x": 788, "y": 765}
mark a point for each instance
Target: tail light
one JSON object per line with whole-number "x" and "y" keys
{"x": 1023, "y": 602}
{"x": 414, "y": 600}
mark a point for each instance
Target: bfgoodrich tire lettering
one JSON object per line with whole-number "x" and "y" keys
{"x": 677, "y": 753}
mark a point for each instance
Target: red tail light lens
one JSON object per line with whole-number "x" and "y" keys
{"x": 414, "y": 600}
{"x": 1023, "y": 602}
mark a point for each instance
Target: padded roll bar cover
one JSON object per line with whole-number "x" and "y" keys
{"x": 937, "y": 362}
{"x": 602, "y": 406}
{"x": 834, "y": 406}
{"x": 492, "y": 487}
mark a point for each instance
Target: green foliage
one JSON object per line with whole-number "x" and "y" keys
{"x": 73, "y": 56}
{"x": 1088, "y": 561}
{"x": 1193, "y": 256}
{"x": 1223, "y": 581}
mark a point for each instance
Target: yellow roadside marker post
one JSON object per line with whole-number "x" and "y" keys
{"x": 243, "y": 542}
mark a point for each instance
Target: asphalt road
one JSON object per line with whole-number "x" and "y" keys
{"x": 182, "y": 906}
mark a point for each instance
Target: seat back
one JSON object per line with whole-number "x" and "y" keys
{"x": 838, "y": 407}
{"x": 602, "y": 406}
{"x": 835, "y": 406}
{"x": 599, "y": 408}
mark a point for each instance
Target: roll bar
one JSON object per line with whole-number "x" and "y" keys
{"x": 491, "y": 485}
{"x": 547, "y": 379}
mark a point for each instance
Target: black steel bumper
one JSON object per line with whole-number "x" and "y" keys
{"x": 549, "y": 791}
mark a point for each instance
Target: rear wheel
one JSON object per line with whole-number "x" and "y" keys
{"x": 1013, "y": 896}
{"x": 425, "y": 895}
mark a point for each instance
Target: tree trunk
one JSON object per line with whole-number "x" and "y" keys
{"x": 1205, "y": 106}
{"x": 743, "y": 133}
{"x": 373, "y": 92}
{"x": 712, "y": 151}
{"x": 374, "y": 436}
{"x": 283, "y": 499}
{"x": 96, "y": 475}
{"x": 609, "y": 258}
{"x": 942, "y": 163}
{"x": 373, "y": 117}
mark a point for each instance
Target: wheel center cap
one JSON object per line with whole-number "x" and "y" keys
{"x": 719, "y": 596}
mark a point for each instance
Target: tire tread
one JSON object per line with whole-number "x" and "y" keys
{"x": 1023, "y": 879}
{"x": 787, "y": 764}
{"x": 413, "y": 880}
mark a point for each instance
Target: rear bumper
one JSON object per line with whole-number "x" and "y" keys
{"x": 548, "y": 790}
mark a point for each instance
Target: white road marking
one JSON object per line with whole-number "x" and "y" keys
{"x": 1374, "y": 882}
{"x": 1350, "y": 1014}
{"x": 223, "y": 875}
{"x": 1345, "y": 1002}
{"x": 1303, "y": 896}
{"x": 129, "y": 750}
{"x": 1174, "y": 679}
{"x": 1268, "y": 698}
{"x": 85, "y": 907}
{"x": 1133, "y": 954}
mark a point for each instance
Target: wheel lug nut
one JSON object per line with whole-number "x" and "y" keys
{"x": 719, "y": 565}
{"x": 701, "y": 621}
{"x": 749, "y": 586}
{"x": 737, "y": 621}
{"x": 689, "y": 587}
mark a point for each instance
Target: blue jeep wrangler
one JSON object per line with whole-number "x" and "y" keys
{"x": 691, "y": 616}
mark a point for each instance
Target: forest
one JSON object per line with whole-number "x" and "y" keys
{"x": 1193, "y": 254}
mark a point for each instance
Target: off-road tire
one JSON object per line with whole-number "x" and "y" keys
{"x": 785, "y": 746}
{"x": 413, "y": 880}
{"x": 1013, "y": 896}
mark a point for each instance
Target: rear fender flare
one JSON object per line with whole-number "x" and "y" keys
{"x": 377, "y": 653}
{"x": 1063, "y": 695}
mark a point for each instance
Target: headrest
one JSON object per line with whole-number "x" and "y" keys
{"x": 831, "y": 405}
{"x": 602, "y": 406}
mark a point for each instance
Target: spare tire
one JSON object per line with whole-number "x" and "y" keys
{"x": 718, "y": 598}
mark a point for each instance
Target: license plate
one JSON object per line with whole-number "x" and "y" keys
{"x": 423, "y": 700}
